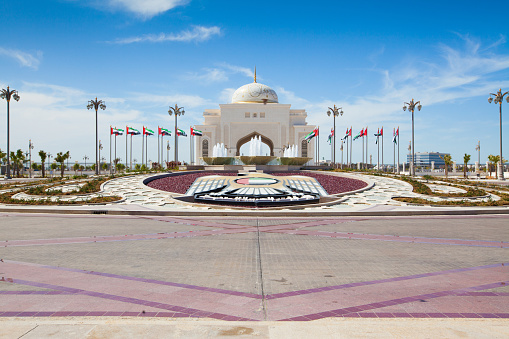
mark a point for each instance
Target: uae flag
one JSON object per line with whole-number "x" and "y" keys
{"x": 332, "y": 131}
{"x": 329, "y": 139}
{"x": 164, "y": 131}
{"x": 395, "y": 137}
{"x": 360, "y": 134}
{"x": 181, "y": 133}
{"x": 196, "y": 132}
{"x": 147, "y": 131}
{"x": 310, "y": 136}
{"x": 133, "y": 131}
{"x": 366, "y": 131}
{"x": 116, "y": 131}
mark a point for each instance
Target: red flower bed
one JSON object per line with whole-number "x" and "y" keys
{"x": 332, "y": 184}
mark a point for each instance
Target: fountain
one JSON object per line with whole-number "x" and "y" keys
{"x": 219, "y": 156}
{"x": 291, "y": 157}
{"x": 255, "y": 156}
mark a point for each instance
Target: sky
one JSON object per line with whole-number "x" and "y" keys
{"x": 367, "y": 57}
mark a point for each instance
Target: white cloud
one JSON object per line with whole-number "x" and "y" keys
{"x": 23, "y": 58}
{"x": 226, "y": 95}
{"x": 210, "y": 75}
{"x": 238, "y": 69}
{"x": 197, "y": 34}
{"x": 145, "y": 9}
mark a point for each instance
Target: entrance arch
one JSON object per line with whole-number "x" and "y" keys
{"x": 248, "y": 137}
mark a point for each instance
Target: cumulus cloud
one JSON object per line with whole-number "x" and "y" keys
{"x": 145, "y": 9}
{"x": 196, "y": 34}
{"x": 23, "y": 58}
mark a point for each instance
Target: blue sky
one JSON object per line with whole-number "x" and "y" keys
{"x": 367, "y": 57}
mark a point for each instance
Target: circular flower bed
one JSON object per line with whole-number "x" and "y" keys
{"x": 332, "y": 184}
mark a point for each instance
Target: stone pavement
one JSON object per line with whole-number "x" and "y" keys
{"x": 254, "y": 269}
{"x": 135, "y": 194}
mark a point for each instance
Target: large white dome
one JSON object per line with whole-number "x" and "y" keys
{"x": 255, "y": 92}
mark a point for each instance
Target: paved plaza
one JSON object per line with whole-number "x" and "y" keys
{"x": 254, "y": 269}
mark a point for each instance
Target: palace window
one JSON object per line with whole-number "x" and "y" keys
{"x": 205, "y": 148}
{"x": 304, "y": 146}
{"x": 262, "y": 115}
{"x": 254, "y": 115}
{"x": 247, "y": 115}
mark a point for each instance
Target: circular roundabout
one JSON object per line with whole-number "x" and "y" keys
{"x": 248, "y": 189}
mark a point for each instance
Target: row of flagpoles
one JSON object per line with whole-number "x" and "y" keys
{"x": 348, "y": 139}
{"x": 146, "y": 132}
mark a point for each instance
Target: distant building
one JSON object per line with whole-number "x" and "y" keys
{"x": 425, "y": 158}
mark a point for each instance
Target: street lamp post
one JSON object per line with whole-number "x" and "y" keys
{"x": 499, "y": 97}
{"x": 7, "y": 94}
{"x": 168, "y": 150}
{"x": 49, "y": 162}
{"x": 100, "y": 149}
{"x": 336, "y": 111}
{"x": 478, "y": 149}
{"x": 30, "y": 148}
{"x": 85, "y": 158}
{"x": 176, "y": 111}
{"x": 96, "y": 104}
{"x": 411, "y": 108}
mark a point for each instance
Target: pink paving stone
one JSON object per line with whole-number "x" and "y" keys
{"x": 402, "y": 315}
{"x": 454, "y": 315}
{"x": 384, "y": 315}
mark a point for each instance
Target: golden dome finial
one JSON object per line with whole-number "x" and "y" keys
{"x": 255, "y": 75}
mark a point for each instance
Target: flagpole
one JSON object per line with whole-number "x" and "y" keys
{"x": 131, "y": 154}
{"x": 366, "y": 134}
{"x": 158, "y": 146}
{"x": 378, "y": 150}
{"x": 146, "y": 151}
{"x": 143, "y": 146}
{"x": 126, "y": 136}
{"x": 362, "y": 149}
{"x": 394, "y": 148}
{"x": 383, "y": 147}
{"x": 110, "y": 149}
{"x": 351, "y": 144}
{"x": 318, "y": 145}
{"x": 115, "y": 148}
{"x": 346, "y": 162}
{"x": 341, "y": 154}
{"x": 191, "y": 148}
{"x": 398, "y": 149}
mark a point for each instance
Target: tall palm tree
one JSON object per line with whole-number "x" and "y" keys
{"x": 61, "y": 158}
{"x": 43, "y": 156}
{"x": 448, "y": 161}
{"x": 466, "y": 159}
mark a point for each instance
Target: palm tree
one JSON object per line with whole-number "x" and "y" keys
{"x": 448, "y": 161}
{"x": 76, "y": 167}
{"x": 61, "y": 158}
{"x": 2, "y": 156}
{"x": 493, "y": 159}
{"x": 17, "y": 161}
{"x": 43, "y": 156}
{"x": 466, "y": 159}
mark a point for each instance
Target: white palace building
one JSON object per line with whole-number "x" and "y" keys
{"x": 254, "y": 112}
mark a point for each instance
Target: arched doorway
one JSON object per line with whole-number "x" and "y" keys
{"x": 247, "y": 138}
